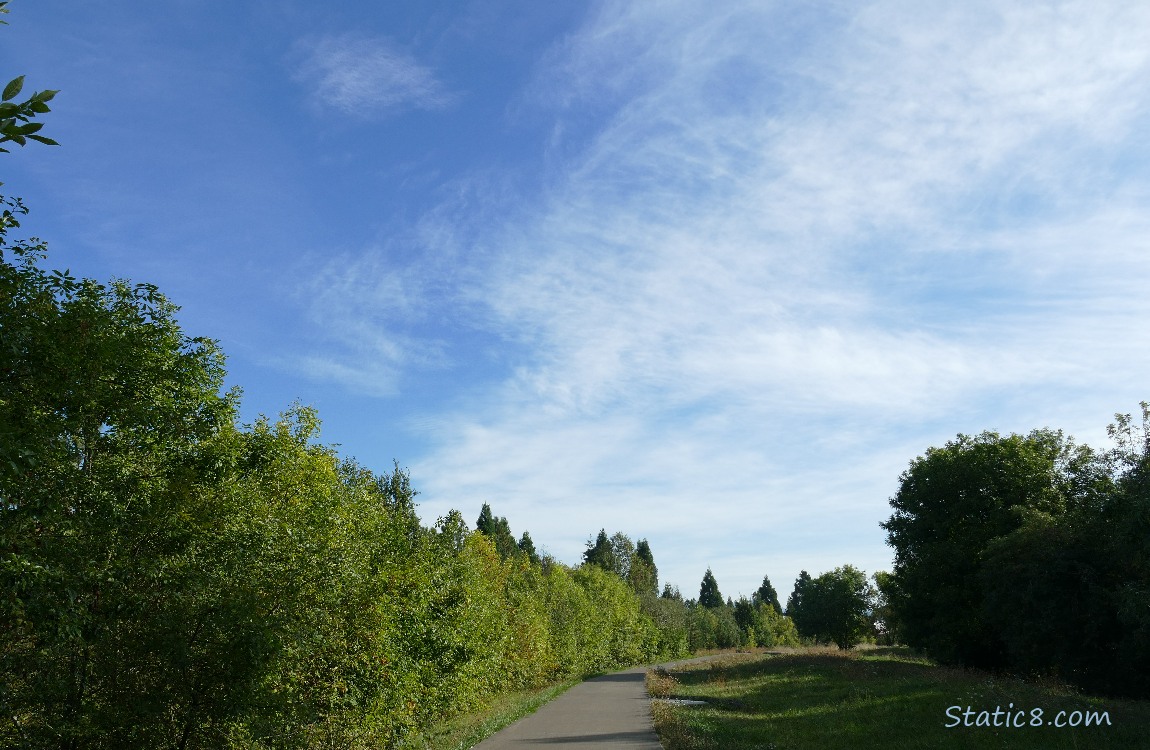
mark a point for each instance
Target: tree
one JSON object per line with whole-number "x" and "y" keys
{"x": 709, "y": 595}
{"x": 504, "y": 540}
{"x": 527, "y": 547}
{"x": 599, "y": 552}
{"x": 795, "y": 602}
{"x": 643, "y": 575}
{"x": 765, "y": 594}
{"x": 887, "y": 596}
{"x": 622, "y": 555}
{"x": 837, "y": 607}
{"x": 498, "y": 530}
{"x": 486, "y": 522}
{"x": 950, "y": 504}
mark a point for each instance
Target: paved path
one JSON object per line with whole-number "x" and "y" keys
{"x": 612, "y": 712}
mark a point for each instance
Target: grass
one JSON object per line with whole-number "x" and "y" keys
{"x": 874, "y": 698}
{"x": 464, "y": 731}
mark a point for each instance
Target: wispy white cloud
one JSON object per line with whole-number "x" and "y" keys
{"x": 367, "y": 76}
{"x": 795, "y": 252}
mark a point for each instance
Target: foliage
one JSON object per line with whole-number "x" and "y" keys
{"x": 950, "y": 504}
{"x": 887, "y": 628}
{"x": 713, "y": 627}
{"x": 835, "y": 607}
{"x": 1029, "y": 554}
{"x": 527, "y": 547}
{"x": 171, "y": 578}
{"x": 600, "y": 554}
{"x": 643, "y": 574}
{"x": 709, "y": 595}
{"x": 765, "y": 594}
{"x": 16, "y": 124}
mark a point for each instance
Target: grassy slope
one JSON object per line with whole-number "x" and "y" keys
{"x": 880, "y": 698}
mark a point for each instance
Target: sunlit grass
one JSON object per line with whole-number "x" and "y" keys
{"x": 875, "y": 698}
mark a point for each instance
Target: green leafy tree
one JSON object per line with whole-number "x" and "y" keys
{"x": 950, "y": 504}
{"x": 709, "y": 595}
{"x": 1060, "y": 590}
{"x": 886, "y": 622}
{"x": 837, "y": 607}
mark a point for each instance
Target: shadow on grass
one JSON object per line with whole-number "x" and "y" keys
{"x": 886, "y": 698}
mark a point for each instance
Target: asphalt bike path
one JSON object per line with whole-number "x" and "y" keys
{"x": 612, "y": 712}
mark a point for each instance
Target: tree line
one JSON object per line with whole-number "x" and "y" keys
{"x": 173, "y": 578}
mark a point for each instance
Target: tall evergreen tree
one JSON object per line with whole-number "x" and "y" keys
{"x": 600, "y": 553}
{"x": 709, "y": 595}
{"x": 527, "y": 547}
{"x": 504, "y": 539}
{"x": 643, "y": 575}
{"x": 765, "y": 594}
{"x": 795, "y": 602}
{"x": 486, "y": 522}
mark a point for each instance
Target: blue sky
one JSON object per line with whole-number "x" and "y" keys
{"x": 710, "y": 276}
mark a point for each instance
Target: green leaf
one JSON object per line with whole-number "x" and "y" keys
{"x": 30, "y": 128}
{"x": 13, "y": 88}
{"x": 45, "y": 96}
{"x": 44, "y": 140}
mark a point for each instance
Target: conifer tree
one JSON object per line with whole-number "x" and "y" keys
{"x": 709, "y": 595}
{"x": 486, "y": 522}
{"x": 766, "y": 595}
{"x": 600, "y": 553}
{"x": 795, "y": 602}
{"x": 527, "y": 547}
{"x": 643, "y": 575}
{"x": 504, "y": 539}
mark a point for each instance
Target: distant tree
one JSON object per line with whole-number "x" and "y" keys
{"x": 622, "y": 554}
{"x": 747, "y": 619}
{"x": 527, "y": 547}
{"x": 837, "y": 607}
{"x": 671, "y": 591}
{"x": 599, "y": 552}
{"x": 504, "y": 540}
{"x": 712, "y": 627}
{"x": 709, "y": 595}
{"x": 765, "y": 594}
{"x": 885, "y": 618}
{"x": 498, "y": 530}
{"x": 486, "y": 521}
{"x": 795, "y": 602}
{"x": 643, "y": 575}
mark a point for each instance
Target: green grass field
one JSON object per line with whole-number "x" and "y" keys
{"x": 876, "y": 698}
